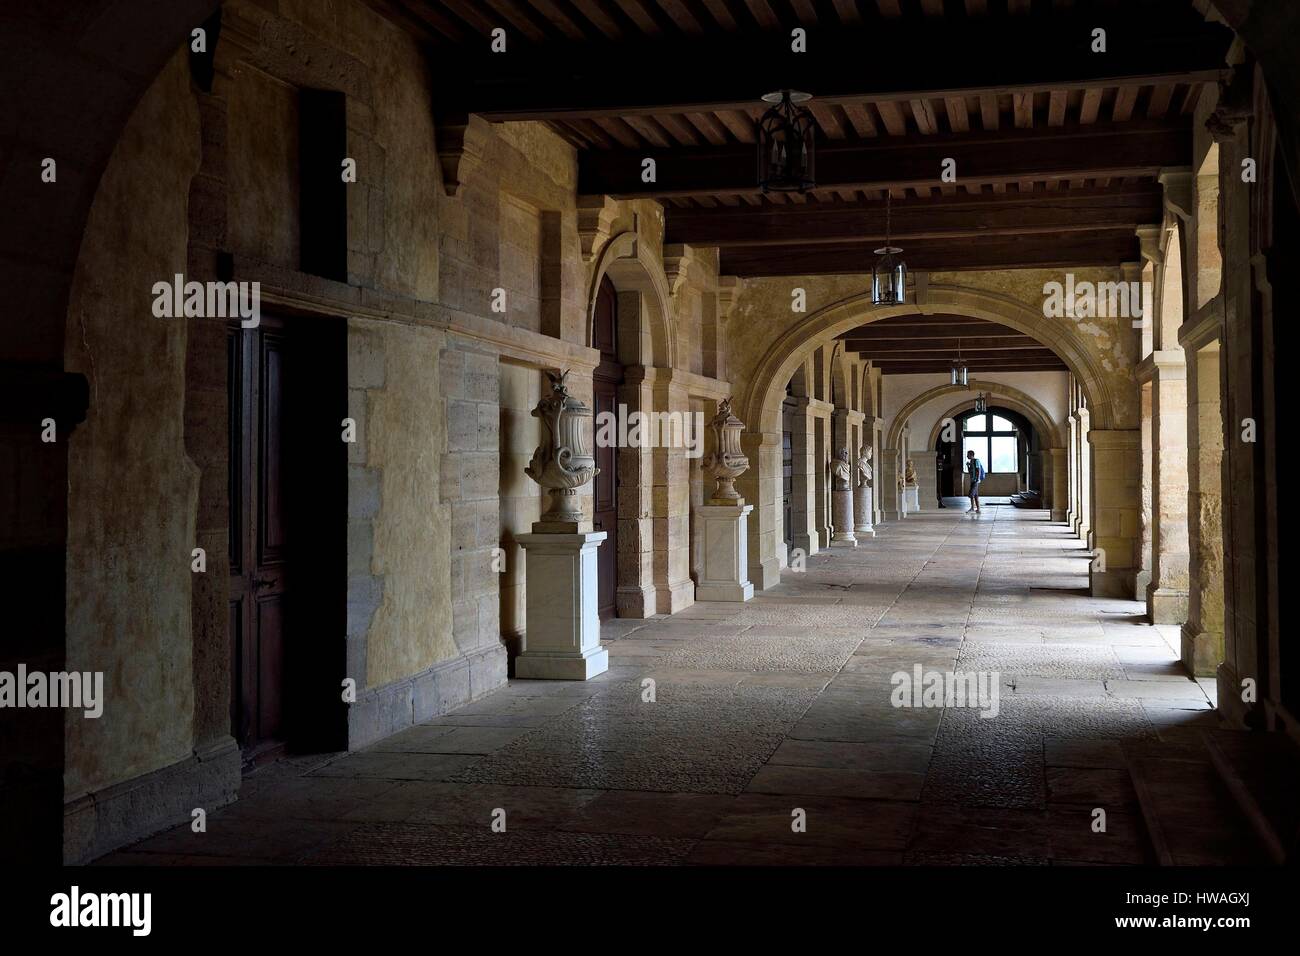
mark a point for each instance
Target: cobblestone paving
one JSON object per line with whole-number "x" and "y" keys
{"x": 772, "y": 712}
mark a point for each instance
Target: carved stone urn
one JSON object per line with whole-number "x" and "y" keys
{"x": 562, "y": 464}
{"x": 727, "y": 462}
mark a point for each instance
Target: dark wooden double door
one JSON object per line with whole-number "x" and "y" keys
{"x": 605, "y": 385}
{"x": 287, "y": 526}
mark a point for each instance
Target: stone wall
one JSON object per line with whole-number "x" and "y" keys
{"x": 207, "y": 184}
{"x": 132, "y": 489}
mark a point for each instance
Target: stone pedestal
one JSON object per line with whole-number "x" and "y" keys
{"x": 842, "y": 516}
{"x": 862, "y": 512}
{"x": 911, "y": 499}
{"x": 722, "y": 543}
{"x": 562, "y": 633}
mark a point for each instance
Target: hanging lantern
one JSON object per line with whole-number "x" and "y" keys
{"x": 959, "y": 370}
{"x": 981, "y": 403}
{"x": 889, "y": 274}
{"x": 786, "y": 154}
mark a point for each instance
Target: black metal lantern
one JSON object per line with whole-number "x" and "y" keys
{"x": 981, "y": 403}
{"x": 889, "y": 274}
{"x": 960, "y": 374}
{"x": 786, "y": 154}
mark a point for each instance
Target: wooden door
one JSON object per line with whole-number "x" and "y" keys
{"x": 787, "y": 479}
{"x": 259, "y": 573}
{"x": 605, "y": 382}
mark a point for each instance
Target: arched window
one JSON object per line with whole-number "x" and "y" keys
{"x": 995, "y": 441}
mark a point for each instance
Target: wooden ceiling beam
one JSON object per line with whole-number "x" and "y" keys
{"x": 929, "y": 368}
{"x": 939, "y": 255}
{"x": 973, "y": 346}
{"x": 959, "y": 216}
{"x": 911, "y": 59}
{"x": 1010, "y": 155}
{"x": 893, "y": 330}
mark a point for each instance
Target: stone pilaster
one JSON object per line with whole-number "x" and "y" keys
{"x": 803, "y": 530}
{"x": 822, "y": 486}
{"x": 872, "y": 431}
{"x": 1202, "y": 638}
{"x": 1167, "y": 593}
{"x": 926, "y": 478}
{"x": 889, "y": 470}
{"x": 761, "y": 487}
{"x": 1116, "y": 467}
{"x": 1055, "y": 459}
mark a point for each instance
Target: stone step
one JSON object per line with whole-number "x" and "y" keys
{"x": 1191, "y": 817}
{"x": 1262, "y": 773}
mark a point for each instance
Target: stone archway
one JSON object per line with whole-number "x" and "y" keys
{"x": 1089, "y": 364}
{"x": 1052, "y": 444}
{"x": 653, "y": 569}
{"x": 99, "y": 80}
{"x": 1021, "y": 401}
{"x": 1012, "y": 397}
{"x": 762, "y": 400}
{"x": 632, "y": 270}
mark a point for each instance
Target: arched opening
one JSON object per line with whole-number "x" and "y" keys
{"x": 650, "y": 560}
{"x": 1005, "y": 442}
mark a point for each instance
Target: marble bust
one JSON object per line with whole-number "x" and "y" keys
{"x": 842, "y": 470}
{"x": 864, "y": 467}
{"x": 910, "y": 477}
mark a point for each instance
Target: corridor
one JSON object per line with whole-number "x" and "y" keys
{"x": 758, "y": 711}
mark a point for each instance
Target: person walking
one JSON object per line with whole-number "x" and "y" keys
{"x": 975, "y": 468}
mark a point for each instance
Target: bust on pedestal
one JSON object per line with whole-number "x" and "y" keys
{"x": 909, "y": 491}
{"x": 562, "y": 625}
{"x": 862, "y": 495}
{"x": 842, "y": 500}
{"x": 721, "y": 525}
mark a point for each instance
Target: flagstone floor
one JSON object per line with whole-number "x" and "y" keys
{"x": 771, "y": 712}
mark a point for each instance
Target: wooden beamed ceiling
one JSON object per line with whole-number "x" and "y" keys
{"x": 1057, "y": 148}
{"x": 931, "y": 343}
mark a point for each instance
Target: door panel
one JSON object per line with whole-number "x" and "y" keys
{"x": 605, "y": 382}
{"x": 258, "y": 534}
{"x": 605, "y": 519}
{"x": 270, "y": 478}
{"x": 270, "y": 667}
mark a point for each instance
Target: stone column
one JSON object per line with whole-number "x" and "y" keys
{"x": 888, "y": 484}
{"x": 674, "y": 588}
{"x": 1143, "y": 581}
{"x": 1202, "y": 639}
{"x": 863, "y": 508}
{"x": 873, "y": 436}
{"x": 1087, "y": 496}
{"x": 842, "y": 496}
{"x": 1116, "y": 462}
{"x": 1072, "y": 462}
{"x": 635, "y": 595}
{"x": 762, "y": 489}
{"x": 1167, "y": 593}
{"x": 1060, "y": 502}
{"x": 721, "y": 524}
